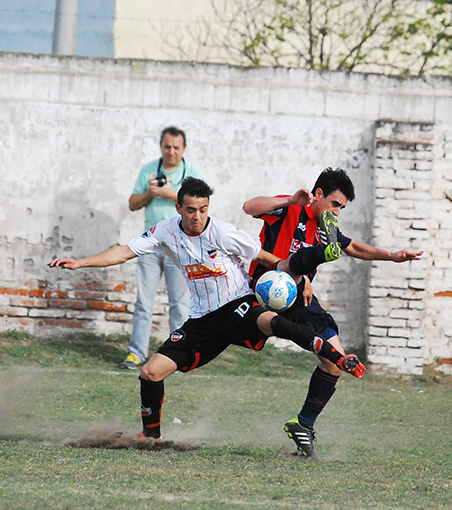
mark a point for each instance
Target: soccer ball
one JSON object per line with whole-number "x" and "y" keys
{"x": 276, "y": 291}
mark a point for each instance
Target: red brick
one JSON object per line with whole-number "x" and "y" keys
{"x": 40, "y": 284}
{"x": 28, "y": 302}
{"x": 445, "y": 361}
{"x": 446, "y": 293}
{"x": 120, "y": 287}
{"x": 13, "y": 311}
{"x": 87, "y": 294}
{"x": 36, "y": 293}
{"x": 60, "y": 294}
{"x": 107, "y": 306}
{"x": 118, "y": 317}
{"x": 95, "y": 286}
{"x": 24, "y": 321}
{"x": 13, "y": 292}
{"x": 68, "y": 303}
{"x": 89, "y": 285}
{"x": 64, "y": 323}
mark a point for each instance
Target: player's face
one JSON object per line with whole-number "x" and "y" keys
{"x": 173, "y": 149}
{"x": 334, "y": 202}
{"x": 194, "y": 212}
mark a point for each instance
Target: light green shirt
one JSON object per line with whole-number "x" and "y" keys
{"x": 163, "y": 208}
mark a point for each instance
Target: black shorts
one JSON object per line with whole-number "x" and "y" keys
{"x": 201, "y": 340}
{"x": 313, "y": 316}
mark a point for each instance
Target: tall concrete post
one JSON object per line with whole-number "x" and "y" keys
{"x": 65, "y": 27}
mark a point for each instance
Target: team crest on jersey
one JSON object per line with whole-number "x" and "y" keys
{"x": 302, "y": 226}
{"x": 212, "y": 253}
{"x": 177, "y": 335}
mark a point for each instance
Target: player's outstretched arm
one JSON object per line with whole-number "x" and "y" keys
{"x": 261, "y": 205}
{"x": 110, "y": 257}
{"x": 267, "y": 259}
{"x": 365, "y": 251}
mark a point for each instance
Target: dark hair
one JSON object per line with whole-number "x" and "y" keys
{"x": 194, "y": 188}
{"x": 173, "y": 131}
{"x": 331, "y": 180}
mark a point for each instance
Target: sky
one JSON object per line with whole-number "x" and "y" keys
{"x": 27, "y": 26}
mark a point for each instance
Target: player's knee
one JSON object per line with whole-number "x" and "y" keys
{"x": 159, "y": 367}
{"x": 150, "y": 374}
{"x": 264, "y": 323}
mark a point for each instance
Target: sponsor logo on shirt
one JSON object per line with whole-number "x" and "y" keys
{"x": 149, "y": 232}
{"x": 198, "y": 271}
{"x": 297, "y": 244}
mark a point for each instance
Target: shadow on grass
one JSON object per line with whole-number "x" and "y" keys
{"x": 88, "y": 350}
{"x": 73, "y": 350}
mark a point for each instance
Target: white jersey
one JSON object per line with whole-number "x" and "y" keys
{"x": 211, "y": 261}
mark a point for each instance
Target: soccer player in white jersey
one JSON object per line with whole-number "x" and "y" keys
{"x": 223, "y": 308}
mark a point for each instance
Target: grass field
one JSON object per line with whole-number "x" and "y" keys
{"x": 384, "y": 443}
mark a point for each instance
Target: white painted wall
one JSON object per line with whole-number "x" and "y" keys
{"x": 75, "y": 131}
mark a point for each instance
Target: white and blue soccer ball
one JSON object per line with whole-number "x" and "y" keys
{"x": 276, "y": 291}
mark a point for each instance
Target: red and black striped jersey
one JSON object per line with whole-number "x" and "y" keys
{"x": 288, "y": 229}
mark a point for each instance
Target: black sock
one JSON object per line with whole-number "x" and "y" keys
{"x": 152, "y": 397}
{"x": 306, "y": 260}
{"x": 304, "y": 337}
{"x": 321, "y": 389}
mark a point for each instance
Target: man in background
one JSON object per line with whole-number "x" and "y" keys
{"x": 156, "y": 191}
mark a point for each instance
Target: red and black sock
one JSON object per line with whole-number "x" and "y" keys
{"x": 152, "y": 397}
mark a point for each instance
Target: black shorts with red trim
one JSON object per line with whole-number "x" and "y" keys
{"x": 201, "y": 340}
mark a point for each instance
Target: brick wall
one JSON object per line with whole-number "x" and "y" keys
{"x": 438, "y": 301}
{"x": 75, "y": 131}
{"x": 87, "y": 304}
{"x": 80, "y": 305}
{"x": 405, "y": 313}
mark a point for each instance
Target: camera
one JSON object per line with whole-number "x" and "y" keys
{"x": 161, "y": 180}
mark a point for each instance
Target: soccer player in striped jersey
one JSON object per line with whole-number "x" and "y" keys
{"x": 302, "y": 230}
{"x": 223, "y": 308}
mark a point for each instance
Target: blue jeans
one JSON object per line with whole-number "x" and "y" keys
{"x": 150, "y": 269}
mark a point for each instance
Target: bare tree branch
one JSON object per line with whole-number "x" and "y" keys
{"x": 389, "y": 36}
